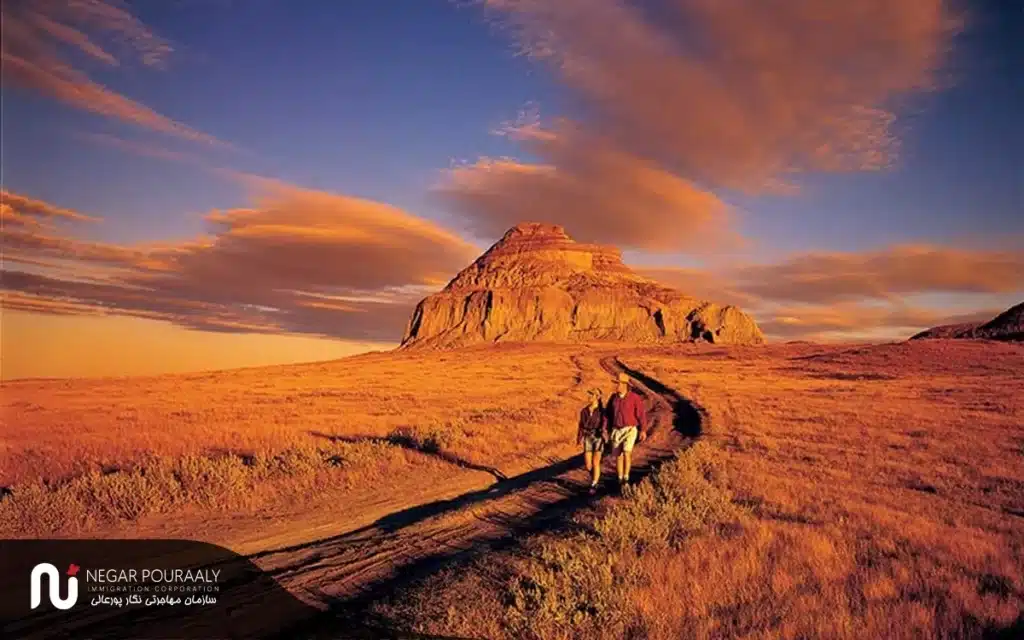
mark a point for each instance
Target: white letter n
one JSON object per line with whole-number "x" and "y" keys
{"x": 35, "y": 587}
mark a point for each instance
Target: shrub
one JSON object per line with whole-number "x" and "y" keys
{"x": 678, "y": 501}
{"x": 163, "y": 485}
{"x": 432, "y": 438}
{"x": 579, "y": 584}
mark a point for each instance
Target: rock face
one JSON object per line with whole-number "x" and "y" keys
{"x": 1008, "y": 325}
{"x": 537, "y": 284}
{"x": 947, "y": 331}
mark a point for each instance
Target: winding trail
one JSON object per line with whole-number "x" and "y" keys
{"x": 348, "y": 571}
{"x": 340, "y": 575}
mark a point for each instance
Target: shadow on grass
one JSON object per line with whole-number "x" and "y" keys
{"x": 350, "y": 618}
{"x": 687, "y": 418}
{"x": 409, "y": 443}
{"x": 1012, "y": 631}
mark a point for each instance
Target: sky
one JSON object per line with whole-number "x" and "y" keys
{"x": 198, "y": 184}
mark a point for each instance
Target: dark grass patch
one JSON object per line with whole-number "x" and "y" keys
{"x": 990, "y": 583}
{"x": 923, "y": 487}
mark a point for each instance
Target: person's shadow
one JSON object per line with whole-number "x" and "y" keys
{"x": 350, "y": 613}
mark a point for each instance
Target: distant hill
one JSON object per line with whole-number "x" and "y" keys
{"x": 537, "y": 284}
{"x": 1008, "y": 325}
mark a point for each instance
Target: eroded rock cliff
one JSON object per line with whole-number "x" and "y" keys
{"x": 537, "y": 284}
{"x": 1008, "y": 325}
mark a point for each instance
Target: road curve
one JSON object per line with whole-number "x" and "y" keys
{"x": 340, "y": 575}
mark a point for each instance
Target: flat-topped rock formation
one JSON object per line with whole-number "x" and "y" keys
{"x": 1008, "y": 325}
{"x": 538, "y": 284}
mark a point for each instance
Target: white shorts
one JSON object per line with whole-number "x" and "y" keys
{"x": 624, "y": 438}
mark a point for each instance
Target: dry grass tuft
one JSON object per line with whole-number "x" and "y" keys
{"x": 567, "y": 586}
{"x": 879, "y": 493}
{"x": 854, "y": 492}
{"x": 224, "y": 483}
{"x": 80, "y": 456}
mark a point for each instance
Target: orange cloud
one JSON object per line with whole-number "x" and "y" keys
{"x": 815, "y": 321}
{"x": 37, "y": 244}
{"x": 739, "y": 92}
{"x": 679, "y": 98}
{"x": 843, "y": 321}
{"x": 299, "y": 261}
{"x": 701, "y": 284}
{"x": 40, "y": 38}
{"x": 818, "y": 295}
{"x": 315, "y": 239}
{"x": 594, "y": 190}
{"x": 13, "y": 300}
{"x": 884, "y": 274}
{"x": 21, "y": 210}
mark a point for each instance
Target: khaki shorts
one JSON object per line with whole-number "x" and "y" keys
{"x": 624, "y": 438}
{"x": 593, "y": 443}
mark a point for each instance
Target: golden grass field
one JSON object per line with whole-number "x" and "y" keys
{"x": 866, "y": 492}
{"x": 837, "y": 491}
{"x": 94, "y": 455}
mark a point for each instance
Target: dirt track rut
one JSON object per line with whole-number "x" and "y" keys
{"x": 341, "y": 574}
{"x": 362, "y": 565}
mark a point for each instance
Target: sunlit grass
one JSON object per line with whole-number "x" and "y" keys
{"x": 82, "y": 454}
{"x": 836, "y": 492}
{"x": 875, "y": 492}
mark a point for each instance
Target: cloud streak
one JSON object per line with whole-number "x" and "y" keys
{"x": 885, "y": 274}
{"x": 42, "y": 40}
{"x": 820, "y": 322}
{"x": 596, "y": 191}
{"x": 844, "y": 293}
{"x": 298, "y": 261}
{"x": 680, "y": 98}
{"x": 21, "y": 211}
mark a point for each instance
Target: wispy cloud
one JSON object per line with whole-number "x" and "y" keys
{"x": 679, "y": 98}
{"x": 42, "y": 41}
{"x": 148, "y": 149}
{"x": 702, "y": 284}
{"x": 884, "y": 274}
{"x": 297, "y": 261}
{"x": 21, "y": 211}
{"x": 842, "y": 293}
{"x": 598, "y": 192}
{"x": 842, "y": 321}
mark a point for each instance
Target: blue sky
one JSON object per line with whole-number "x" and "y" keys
{"x": 374, "y": 100}
{"x": 364, "y": 98}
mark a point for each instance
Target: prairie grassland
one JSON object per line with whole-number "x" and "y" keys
{"x": 854, "y": 492}
{"x": 76, "y": 455}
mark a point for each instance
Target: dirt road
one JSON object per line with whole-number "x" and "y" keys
{"x": 340, "y": 574}
{"x": 349, "y": 570}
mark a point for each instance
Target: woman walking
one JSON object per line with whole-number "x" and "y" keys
{"x": 593, "y": 433}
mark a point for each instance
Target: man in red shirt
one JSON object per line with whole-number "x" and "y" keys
{"x": 627, "y": 421}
